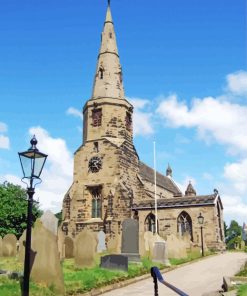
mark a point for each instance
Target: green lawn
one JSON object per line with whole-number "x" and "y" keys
{"x": 82, "y": 280}
{"x": 242, "y": 290}
{"x": 76, "y": 280}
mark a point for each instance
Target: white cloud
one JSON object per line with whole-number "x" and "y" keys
{"x": 236, "y": 173}
{"x": 4, "y": 142}
{"x": 141, "y": 119}
{"x": 235, "y": 208}
{"x": 57, "y": 173}
{"x": 223, "y": 121}
{"x": 218, "y": 119}
{"x": 3, "y": 127}
{"x": 75, "y": 112}
{"x": 237, "y": 83}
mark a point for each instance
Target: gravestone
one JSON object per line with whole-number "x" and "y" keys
{"x": 1, "y": 246}
{"x": 68, "y": 247}
{"x": 50, "y": 221}
{"x": 22, "y": 241}
{"x": 160, "y": 253}
{"x": 46, "y": 268}
{"x": 113, "y": 244}
{"x": 101, "y": 245}
{"x": 114, "y": 262}
{"x": 60, "y": 243}
{"x": 85, "y": 248}
{"x": 9, "y": 245}
{"x": 130, "y": 239}
{"x": 176, "y": 246}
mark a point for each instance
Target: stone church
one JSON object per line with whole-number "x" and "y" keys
{"x": 111, "y": 183}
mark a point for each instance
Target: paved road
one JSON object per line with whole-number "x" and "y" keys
{"x": 195, "y": 279}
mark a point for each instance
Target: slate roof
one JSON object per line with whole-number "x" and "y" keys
{"x": 147, "y": 174}
{"x": 185, "y": 201}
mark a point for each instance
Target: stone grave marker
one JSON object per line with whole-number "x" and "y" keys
{"x": 113, "y": 244}
{"x": 101, "y": 245}
{"x": 160, "y": 253}
{"x": 130, "y": 239}
{"x": 46, "y": 268}
{"x": 50, "y": 221}
{"x": 68, "y": 247}
{"x": 115, "y": 261}
{"x": 60, "y": 243}
{"x": 85, "y": 248}
{"x": 1, "y": 246}
{"x": 9, "y": 245}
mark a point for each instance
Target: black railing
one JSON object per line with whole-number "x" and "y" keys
{"x": 155, "y": 273}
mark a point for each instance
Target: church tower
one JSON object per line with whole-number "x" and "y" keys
{"x": 106, "y": 164}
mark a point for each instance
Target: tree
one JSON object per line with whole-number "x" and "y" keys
{"x": 233, "y": 234}
{"x": 59, "y": 216}
{"x": 13, "y": 209}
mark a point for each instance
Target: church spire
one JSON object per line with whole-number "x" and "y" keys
{"x": 108, "y": 78}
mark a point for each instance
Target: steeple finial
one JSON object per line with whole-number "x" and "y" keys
{"x": 169, "y": 171}
{"x": 109, "y": 2}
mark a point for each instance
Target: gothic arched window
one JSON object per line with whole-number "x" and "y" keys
{"x": 96, "y": 202}
{"x": 150, "y": 223}
{"x": 184, "y": 224}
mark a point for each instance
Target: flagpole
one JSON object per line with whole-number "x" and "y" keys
{"x": 155, "y": 196}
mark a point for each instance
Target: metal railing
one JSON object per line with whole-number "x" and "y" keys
{"x": 155, "y": 273}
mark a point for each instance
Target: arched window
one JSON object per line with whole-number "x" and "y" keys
{"x": 150, "y": 223}
{"x": 184, "y": 224}
{"x": 96, "y": 202}
{"x": 101, "y": 73}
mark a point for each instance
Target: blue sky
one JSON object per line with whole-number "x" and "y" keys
{"x": 184, "y": 65}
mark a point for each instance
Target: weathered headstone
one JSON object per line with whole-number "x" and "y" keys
{"x": 113, "y": 244}
{"x": 130, "y": 239}
{"x": 101, "y": 245}
{"x": 85, "y": 248}
{"x": 160, "y": 253}
{"x": 1, "y": 246}
{"x": 9, "y": 245}
{"x": 50, "y": 221}
{"x": 176, "y": 246}
{"x": 68, "y": 247}
{"x": 46, "y": 268}
{"x": 114, "y": 262}
{"x": 22, "y": 241}
{"x": 60, "y": 243}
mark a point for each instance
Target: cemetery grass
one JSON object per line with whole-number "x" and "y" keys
{"x": 82, "y": 280}
{"x": 76, "y": 280}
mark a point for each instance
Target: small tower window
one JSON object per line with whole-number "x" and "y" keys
{"x": 96, "y": 147}
{"x": 101, "y": 73}
{"x": 128, "y": 121}
{"x": 96, "y": 117}
{"x": 110, "y": 35}
{"x": 96, "y": 202}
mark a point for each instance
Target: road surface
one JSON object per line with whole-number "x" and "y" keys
{"x": 194, "y": 279}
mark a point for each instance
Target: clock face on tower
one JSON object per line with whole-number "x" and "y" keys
{"x": 94, "y": 164}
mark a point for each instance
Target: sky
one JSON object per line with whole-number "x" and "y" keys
{"x": 184, "y": 66}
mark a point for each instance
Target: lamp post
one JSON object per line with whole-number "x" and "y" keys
{"x": 32, "y": 163}
{"x": 201, "y": 221}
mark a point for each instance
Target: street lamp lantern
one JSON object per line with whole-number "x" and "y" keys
{"x": 201, "y": 221}
{"x": 32, "y": 163}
